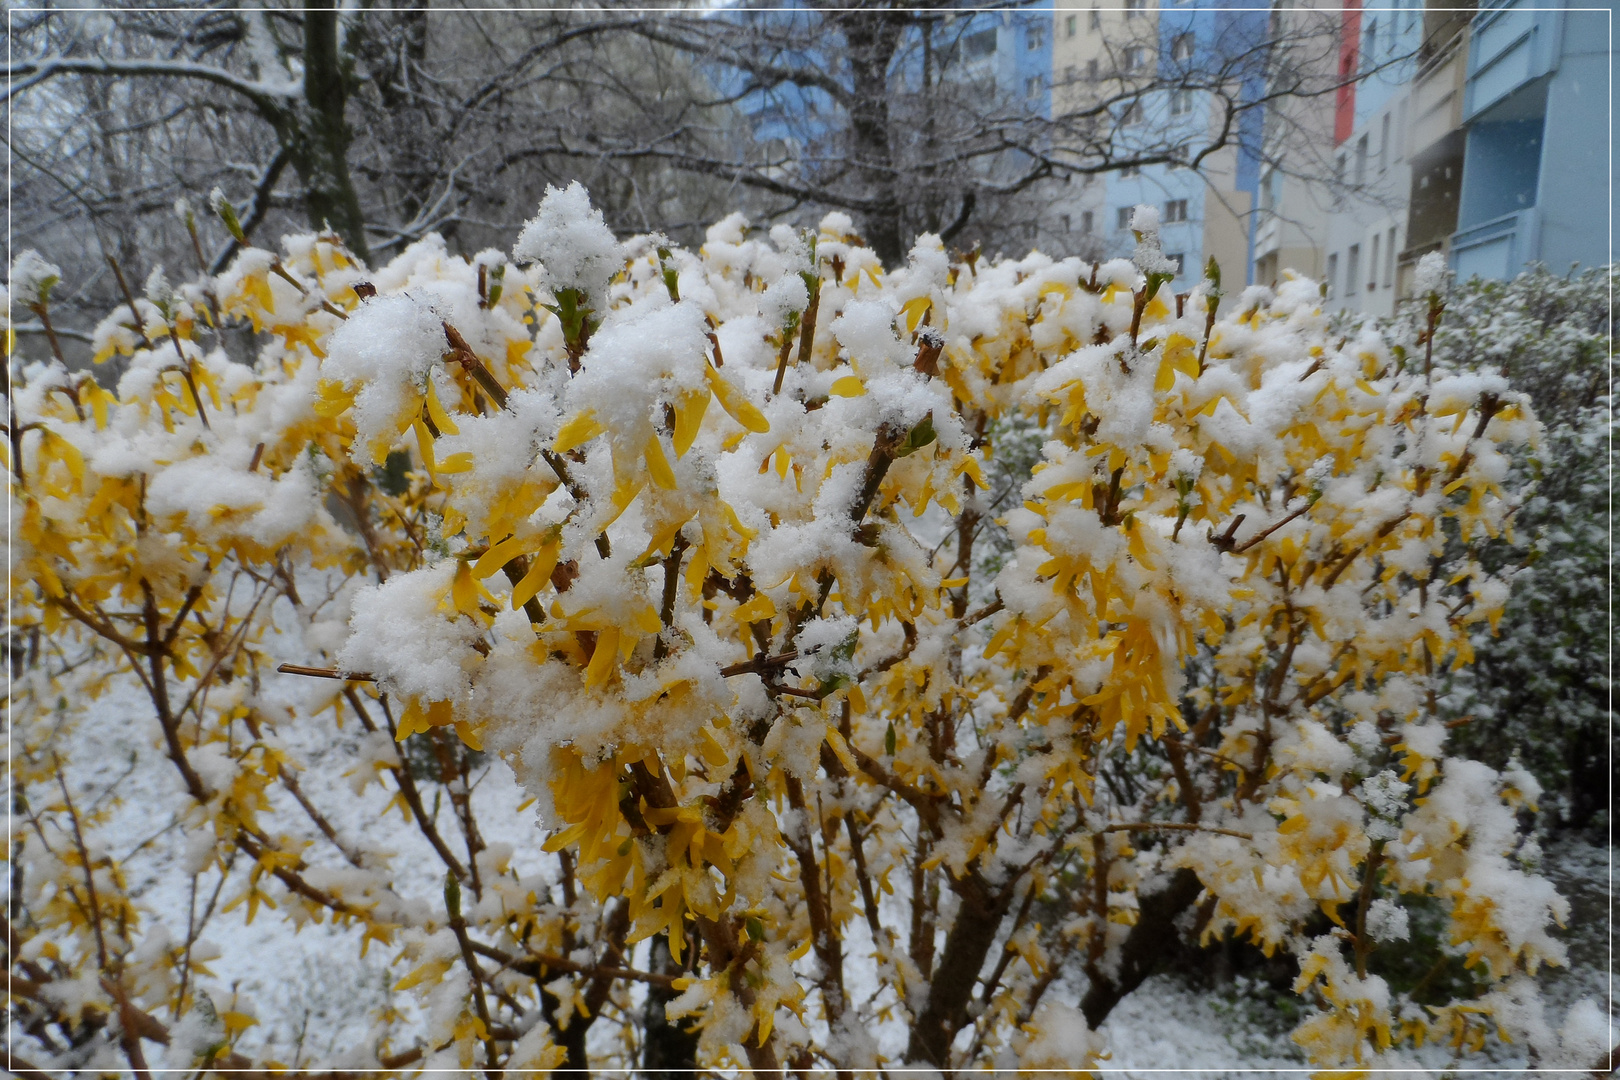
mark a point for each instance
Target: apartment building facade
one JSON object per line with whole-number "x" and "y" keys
{"x": 1094, "y": 49}
{"x": 1536, "y": 171}
{"x": 1292, "y": 213}
{"x": 1435, "y": 139}
{"x": 1106, "y": 52}
{"x": 1480, "y": 133}
{"x": 1367, "y": 227}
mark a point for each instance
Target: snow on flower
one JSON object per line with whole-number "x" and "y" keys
{"x": 874, "y": 655}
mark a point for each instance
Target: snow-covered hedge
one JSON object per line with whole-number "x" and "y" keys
{"x": 687, "y": 540}
{"x": 1539, "y": 688}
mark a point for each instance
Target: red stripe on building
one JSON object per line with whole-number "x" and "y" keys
{"x": 1344, "y": 112}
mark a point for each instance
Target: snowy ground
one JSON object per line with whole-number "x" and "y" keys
{"x": 315, "y": 997}
{"x": 313, "y": 993}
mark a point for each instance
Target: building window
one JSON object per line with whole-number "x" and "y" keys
{"x": 1065, "y": 220}
{"x": 1268, "y": 193}
{"x": 1372, "y": 265}
{"x": 1181, "y": 52}
{"x": 1085, "y": 223}
{"x": 1091, "y": 69}
{"x": 980, "y": 45}
{"x": 1035, "y": 37}
{"x": 1096, "y": 19}
{"x": 1178, "y": 258}
{"x": 1133, "y": 8}
{"x": 1368, "y": 53}
{"x": 1132, "y": 115}
{"x": 1124, "y": 218}
{"x": 1071, "y": 25}
{"x": 1383, "y": 145}
{"x": 1400, "y": 131}
{"x": 1135, "y": 58}
{"x": 1130, "y": 172}
{"x": 1175, "y": 210}
{"x": 1033, "y": 86}
{"x": 1180, "y": 102}
{"x": 1352, "y": 269}
{"x": 1361, "y": 160}
{"x": 1389, "y": 260}
{"x": 1333, "y": 275}
{"x": 1070, "y": 75}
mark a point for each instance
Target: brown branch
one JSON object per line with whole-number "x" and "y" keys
{"x": 1489, "y": 406}
{"x": 326, "y": 673}
{"x": 823, "y": 931}
{"x": 535, "y": 964}
{"x": 192, "y": 595}
{"x": 458, "y": 926}
{"x": 863, "y": 878}
{"x": 926, "y": 805}
{"x": 1257, "y": 537}
{"x": 1180, "y": 826}
{"x": 1383, "y": 531}
{"x": 1368, "y": 881}
{"x": 407, "y": 787}
{"x": 462, "y": 353}
{"x": 129, "y": 298}
{"x": 102, "y": 627}
{"x": 760, "y": 664}
{"x": 89, "y": 870}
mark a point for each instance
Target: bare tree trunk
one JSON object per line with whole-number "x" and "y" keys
{"x": 577, "y": 1063}
{"x": 669, "y": 1051}
{"x": 972, "y": 933}
{"x": 1153, "y": 940}
{"x": 317, "y": 136}
{"x": 873, "y": 39}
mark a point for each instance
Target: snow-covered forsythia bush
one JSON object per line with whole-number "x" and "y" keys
{"x": 688, "y": 540}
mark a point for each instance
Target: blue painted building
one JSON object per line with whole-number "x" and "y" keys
{"x": 793, "y": 114}
{"x": 1002, "y": 58}
{"x": 1010, "y": 49}
{"x": 1368, "y": 227}
{"x": 1206, "y": 213}
{"x": 1537, "y": 160}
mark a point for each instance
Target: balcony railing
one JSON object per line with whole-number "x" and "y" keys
{"x": 1437, "y": 94}
{"x": 1430, "y": 57}
{"x": 1512, "y": 43}
{"x": 1498, "y": 248}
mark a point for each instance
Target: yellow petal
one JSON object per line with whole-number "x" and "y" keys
{"x": 578, "y": 431}
{"x": 69, "y": 455}
{"x": 658, "y": 465}
{"x": 98, "y": 403}
{"x": 914, "y": 310}
{"x": 736, "y": 405}
{"x": 464, "y": 590}
{"x": 689, "y": 410}
{"x": 848, "y": 386}
{"x": 496, "y": 557}
{"x": 441, "y": 419}
{"x": 541, "y": 564}
{"x": 601, "y": 665}
{"x": 333, "y": 400}
{"x": 424, "y": 443}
